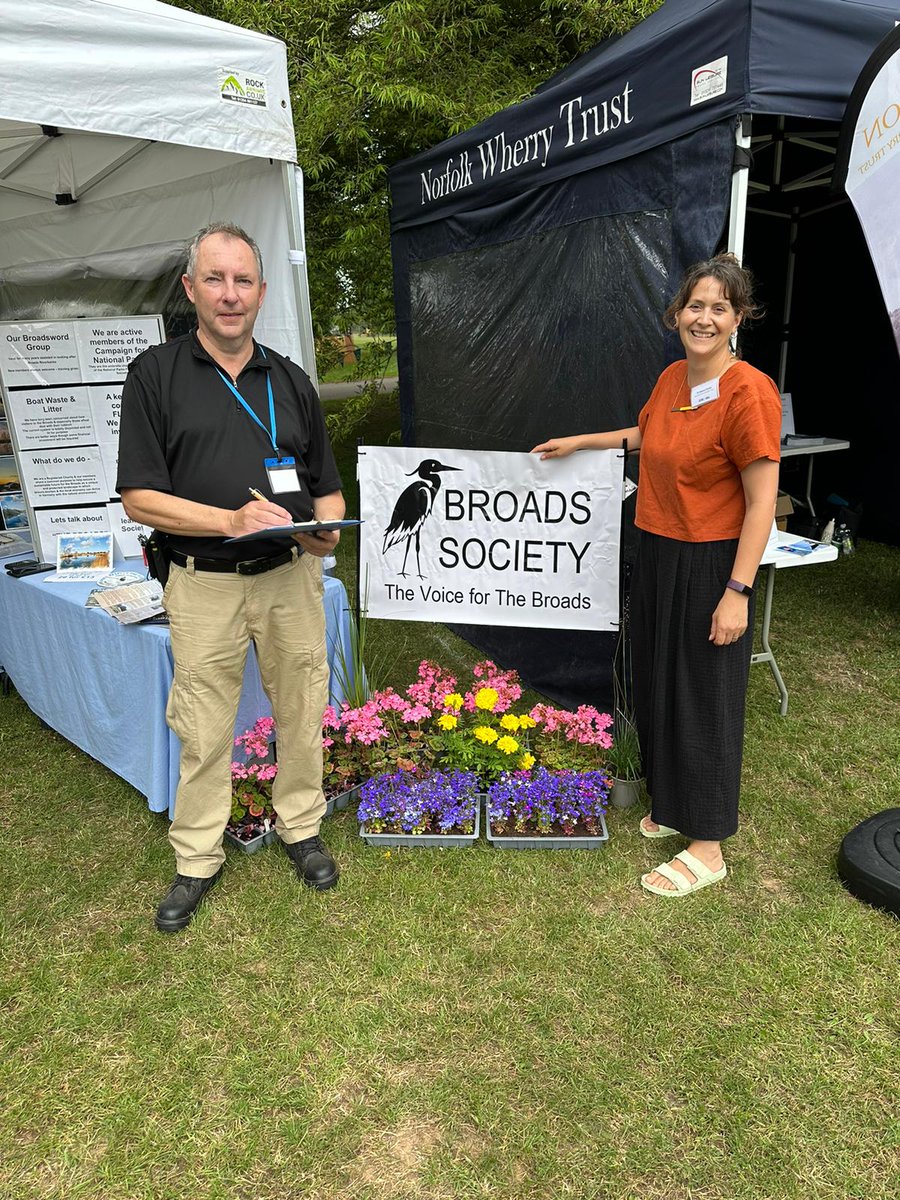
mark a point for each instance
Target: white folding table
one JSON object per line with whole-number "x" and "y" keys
{"x": 797, "y": 445}
{"x": 774, "y": 559}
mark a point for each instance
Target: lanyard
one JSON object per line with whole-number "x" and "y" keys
{"x": 272, "y": 433}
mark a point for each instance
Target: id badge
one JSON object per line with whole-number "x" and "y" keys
{"x": 703, "y": 393}
{"x": 282, "y": 473}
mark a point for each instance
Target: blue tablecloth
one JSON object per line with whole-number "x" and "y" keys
{"x": 104, "y": 686}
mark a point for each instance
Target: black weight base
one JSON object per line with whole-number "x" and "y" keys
{"x": 869, "y": 861}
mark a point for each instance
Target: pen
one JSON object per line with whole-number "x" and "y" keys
{"x": 256, "y": 495}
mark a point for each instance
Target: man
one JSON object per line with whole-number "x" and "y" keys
{"x": 207, "y": 420}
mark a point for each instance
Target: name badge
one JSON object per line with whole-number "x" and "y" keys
{"x": 282, "y": 473}
{"x": 704, "y": 392}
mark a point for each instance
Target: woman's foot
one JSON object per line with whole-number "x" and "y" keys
{"x": 708, "y": 853}
{"x": 652, "y": 829}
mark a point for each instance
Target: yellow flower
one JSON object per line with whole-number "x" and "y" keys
{"x": 526, "y": 722}
{"x": 486, "y": 698}
{"x": 448, "y": 721}
{"x": 485, "y": 734}
{"x": 509, "y": 721}
{"x": 454, "y": 700}
{"x": 526, "y": 762}
{"x": 508, "y": 745}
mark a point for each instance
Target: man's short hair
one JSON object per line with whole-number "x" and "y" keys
{"x": 229, "y": 230}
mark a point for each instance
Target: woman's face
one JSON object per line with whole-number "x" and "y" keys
{"x": 707, "y": 321}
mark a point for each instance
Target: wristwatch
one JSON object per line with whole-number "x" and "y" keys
{"x": 737, "y": 586}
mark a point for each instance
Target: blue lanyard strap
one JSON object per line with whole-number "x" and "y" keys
{"x": 271, "y": 434}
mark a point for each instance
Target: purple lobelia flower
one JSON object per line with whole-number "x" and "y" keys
{"x": 548, "y": 802}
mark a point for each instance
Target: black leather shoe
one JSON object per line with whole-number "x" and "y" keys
{"x": 181, "y": 901}
{"x": 314, "y": 865}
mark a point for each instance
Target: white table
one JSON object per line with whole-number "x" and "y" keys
{"x": 773, "y": 560}
{"x": 796, "y": 446}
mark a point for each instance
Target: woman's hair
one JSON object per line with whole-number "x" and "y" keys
{"x": 736, "y": 281}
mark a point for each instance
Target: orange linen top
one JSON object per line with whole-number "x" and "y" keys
{"x": 691, "y": 462}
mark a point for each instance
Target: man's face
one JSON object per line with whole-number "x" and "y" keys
{"x": 225, "y": 290}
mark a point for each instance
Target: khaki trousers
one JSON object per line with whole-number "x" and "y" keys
{"x": 213, "y": 618}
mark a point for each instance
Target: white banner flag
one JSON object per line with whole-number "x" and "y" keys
{"x": 868, "y": 161}
{"x": 487, "y": 538}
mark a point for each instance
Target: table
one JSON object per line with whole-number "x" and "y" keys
{"x": 104, "y": 686}
{"x": 773, "y": 560}
{"x": 797, "y": 446}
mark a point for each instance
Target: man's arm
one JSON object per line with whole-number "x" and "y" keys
{"x": 325, "y": 508}
{"x": 172, "y": 514}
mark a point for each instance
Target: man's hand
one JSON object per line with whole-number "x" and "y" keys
{"x": 321, "y": 544}
{"x": 257, "y": 515}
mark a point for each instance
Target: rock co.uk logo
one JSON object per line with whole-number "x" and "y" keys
{"x": 709, "y": 80}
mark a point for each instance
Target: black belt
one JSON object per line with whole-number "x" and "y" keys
{"x": 249, "y": 566}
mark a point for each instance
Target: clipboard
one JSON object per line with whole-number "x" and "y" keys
{"x": 288, "y": 531}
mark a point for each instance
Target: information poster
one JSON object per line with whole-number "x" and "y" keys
{"x": 59, "y": 426}
{"x": 52, "y": 417}
{"x": 491, "y": 538}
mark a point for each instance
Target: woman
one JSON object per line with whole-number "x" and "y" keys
{"x": 709, "y": 438}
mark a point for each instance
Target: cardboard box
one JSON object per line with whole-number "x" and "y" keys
{"x": 783, "y": 509}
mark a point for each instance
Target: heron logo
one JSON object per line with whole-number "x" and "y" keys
{"x": 413, "y": 508}
{"x": 237, "y": 87}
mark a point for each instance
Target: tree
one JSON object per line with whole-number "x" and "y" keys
{"x": 376, "y": 84}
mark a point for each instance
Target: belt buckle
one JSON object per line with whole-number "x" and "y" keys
{"x": 251, "y": 566}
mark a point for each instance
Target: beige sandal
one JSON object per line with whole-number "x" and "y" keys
{"x": 703, "y": 877}
{"x": 663, "y": 831}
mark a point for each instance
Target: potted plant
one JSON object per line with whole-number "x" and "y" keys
{"x": 548, "y": 810}
{"x": 438, "y": 809}
{"x": 252, "y": 822}
{"x": 624, "y": 763}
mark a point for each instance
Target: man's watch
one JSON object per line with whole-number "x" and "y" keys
{"x": 737, "y": 586}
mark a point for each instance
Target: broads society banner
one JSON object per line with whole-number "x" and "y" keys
{"x": 488, "y": 538}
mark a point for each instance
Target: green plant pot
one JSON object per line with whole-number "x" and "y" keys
{"x": 250, "y": 847}
{"x": 335, "y": 804}
{"x": 433, "y": 841}
{"x": 546, "y": 841}
{"x": 625, "y": 792}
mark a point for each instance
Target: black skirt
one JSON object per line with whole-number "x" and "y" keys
{"x": 689, "y": 694}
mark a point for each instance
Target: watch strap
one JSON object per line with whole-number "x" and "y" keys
{"x": 737, "y": 586}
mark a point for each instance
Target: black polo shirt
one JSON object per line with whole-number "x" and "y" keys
{"x": 183, "y": 432}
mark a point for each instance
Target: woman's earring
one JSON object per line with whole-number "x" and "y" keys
{"x": 732, "y": 341}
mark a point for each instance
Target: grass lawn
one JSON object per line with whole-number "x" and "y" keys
{"x": 471, "y": 1023}
{"x": 342, "y": 374}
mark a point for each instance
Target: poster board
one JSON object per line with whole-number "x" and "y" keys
{"x": 62, "y": 395}
{"x": 490, "y": 538}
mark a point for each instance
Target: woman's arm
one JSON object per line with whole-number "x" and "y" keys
{"x": 760, "y": 481}
{"x": 561, "y": 447}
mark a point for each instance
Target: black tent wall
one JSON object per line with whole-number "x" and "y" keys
{"x": 528, "y": 298}
{"x": 541, "y": 315}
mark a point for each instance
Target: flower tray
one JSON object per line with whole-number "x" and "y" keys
{"x": 252, "y": 844}
{"x": 335, "y": 804}
{"x": 547, "y": 841}
{"x": 432, "y": 841}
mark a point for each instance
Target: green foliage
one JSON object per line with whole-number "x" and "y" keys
{"x": 623, "y": 758}
{"x": 377, "y": 84}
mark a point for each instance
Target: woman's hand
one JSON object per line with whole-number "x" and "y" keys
{"x": 558, "y": 447}
{"x": 729, "y": 621}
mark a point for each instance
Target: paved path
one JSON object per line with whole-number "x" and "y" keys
{"x": 340, "y": 391}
